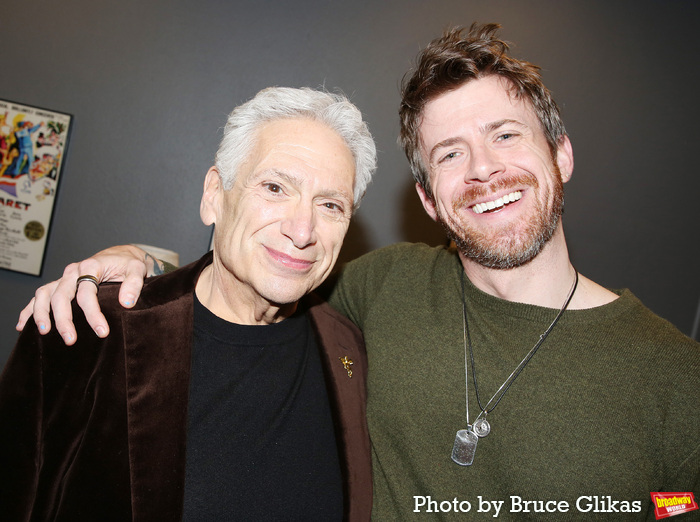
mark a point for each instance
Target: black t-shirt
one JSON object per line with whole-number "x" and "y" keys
{"x": 260, "y": 440}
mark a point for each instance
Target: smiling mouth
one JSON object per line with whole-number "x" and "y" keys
{"x": 497, "y": 204}
{"x": 289, "y": 261}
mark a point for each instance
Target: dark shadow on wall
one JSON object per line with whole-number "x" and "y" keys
{"x": 416, "y": 226}
{"x": 356, "y": 243}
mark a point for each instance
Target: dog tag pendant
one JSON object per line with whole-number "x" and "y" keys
{"x": 465, "y": 447}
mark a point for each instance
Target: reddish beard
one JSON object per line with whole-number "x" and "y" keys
{"x": 511, "y": 245}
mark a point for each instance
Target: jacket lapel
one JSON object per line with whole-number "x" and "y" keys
{"x": 158, "y": 355}
{"x": 158, "y": 346}
{"x": 343, "y": 349}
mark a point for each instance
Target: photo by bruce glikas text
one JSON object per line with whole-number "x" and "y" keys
{"x": 516, "y": 504}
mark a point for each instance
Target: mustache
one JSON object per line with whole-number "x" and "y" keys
{"x": 474, "y": 192}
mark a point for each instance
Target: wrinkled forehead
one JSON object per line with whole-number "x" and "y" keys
{"x": 304, "y": 149}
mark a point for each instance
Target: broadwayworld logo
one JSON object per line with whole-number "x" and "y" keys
{"x": 670, "y": 504}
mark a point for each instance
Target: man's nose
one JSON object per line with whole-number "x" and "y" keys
{"x": 484, "y": 162}
{"x": 300, "y": 224}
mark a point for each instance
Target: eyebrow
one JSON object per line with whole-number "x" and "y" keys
{"x": 490, "y": 127}
{"x": 289, "y": 178}
{"x": 485, "y": 129}
{"x": 441, "y": 145}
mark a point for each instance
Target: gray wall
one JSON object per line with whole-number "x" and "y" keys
{"x": 151, "y": 81}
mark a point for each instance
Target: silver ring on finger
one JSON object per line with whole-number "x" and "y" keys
{"x": 90, "y": 278}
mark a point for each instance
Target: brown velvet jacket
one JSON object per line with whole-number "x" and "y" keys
{"x": 97, "y": 431}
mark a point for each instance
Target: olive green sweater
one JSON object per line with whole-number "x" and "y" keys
{"x": 605, "y": 412}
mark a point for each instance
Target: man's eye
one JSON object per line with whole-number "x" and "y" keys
{"x": 449, "y": 156}
{"x": 273, "y": 187}
{"x": 506, "y": 136}
{"x": 333, "y": 206}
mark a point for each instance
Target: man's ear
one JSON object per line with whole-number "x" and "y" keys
{"x": 428, "y": 202}
{"x": 211, "y": 197}
{"x": 565, "y": 158}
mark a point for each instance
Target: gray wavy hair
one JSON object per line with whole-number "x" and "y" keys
{"x": 275, "y": 103}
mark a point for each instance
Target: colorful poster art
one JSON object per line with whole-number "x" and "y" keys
{"x": 33, "y": 145}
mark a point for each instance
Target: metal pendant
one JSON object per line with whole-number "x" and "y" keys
{"x": 465, "y": 447}
{"x": 482, "y": 427}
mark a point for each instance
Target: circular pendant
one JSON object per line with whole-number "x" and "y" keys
{"x": 482, "y": 427}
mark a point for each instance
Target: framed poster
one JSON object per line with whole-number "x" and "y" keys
{"x": 33, "y": 144}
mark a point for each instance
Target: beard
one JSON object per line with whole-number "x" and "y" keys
{"x": 511, "y": 245}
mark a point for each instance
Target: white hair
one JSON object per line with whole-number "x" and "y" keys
{"x": 275, "y": 103}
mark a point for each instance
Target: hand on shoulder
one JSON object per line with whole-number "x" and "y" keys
{"x": 126, "y": 263}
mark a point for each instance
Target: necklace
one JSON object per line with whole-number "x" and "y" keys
{"x": 465, "y": 441}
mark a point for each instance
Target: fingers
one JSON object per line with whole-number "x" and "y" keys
{"x": 109, "y": 265}
{"x": 133, "y": 283}
{"x": 86, "y": 296}
{"x": 24, "y": 316}
{"x": 121, "y": 263}
{"x": 60, "y": 302}
{"x": 39, "y": 307}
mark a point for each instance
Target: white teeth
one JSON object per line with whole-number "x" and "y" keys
{"x": 480, "y": 208}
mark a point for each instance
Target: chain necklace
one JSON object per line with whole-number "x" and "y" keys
{"x": 465, "y": 441}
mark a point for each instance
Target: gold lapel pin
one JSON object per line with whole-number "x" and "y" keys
{"x": 346, "y": 364}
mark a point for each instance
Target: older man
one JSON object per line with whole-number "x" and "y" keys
{"x": 504, "y": 383}
{"x": 221, "y": 395}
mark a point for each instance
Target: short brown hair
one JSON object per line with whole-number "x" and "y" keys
{"x": 456, "y": 58}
